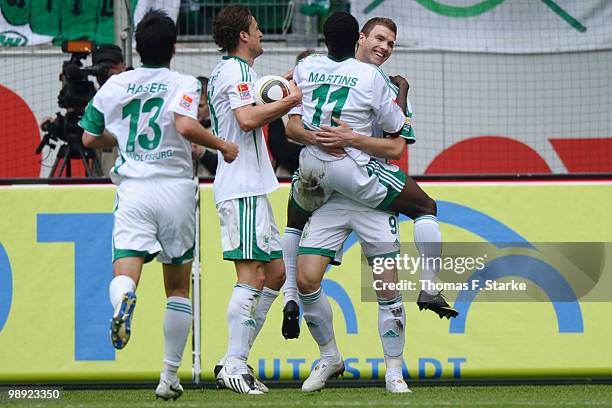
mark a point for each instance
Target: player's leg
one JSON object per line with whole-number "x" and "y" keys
{"x": 240, "y": 226}
{"x": 176, "y": 234}
{"x": 378, "y": 233}
{"x": 268, "y": 241}
{"x": 122, "y": 293}
{"x": 319, "y": 318}
{"x": 274, "y": 272}
{"x": 416, "y": 204}
{"x": 384, "y": 186}
{"x": 177, "y": 322}
{"x": 134, "y": 243}
{"x": 290, "y": 242}
{"x": 241, "y": 322}
{"x": 323, "y": 237}
{"x": 391, "y": 329}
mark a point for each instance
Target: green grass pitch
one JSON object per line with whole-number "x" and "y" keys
{"x": 441, "y": 396}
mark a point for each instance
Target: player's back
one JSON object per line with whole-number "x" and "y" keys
{"x": 138, "y": 108}
{"x": 351, "y": 90}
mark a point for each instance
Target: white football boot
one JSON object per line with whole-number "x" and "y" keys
{"x": 237, "y": 377}
{"x": 323, "y": 371}
{"x": 258, "y": 384}
{"x": 221, "y": 383}
{"x": 217, "y": 372}
{"x": 166, "y": 390}
{"x": 394, "y": 381}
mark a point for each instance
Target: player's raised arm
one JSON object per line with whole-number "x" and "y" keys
{"x": 402, "y": 94}
{"x": 251, "y": 117}
{"x": 388, "y": 114}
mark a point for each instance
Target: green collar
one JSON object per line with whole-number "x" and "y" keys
{"x": 340, "y": 59}
{"x": 151, "y": 66}
{"x": 226, "y": 57}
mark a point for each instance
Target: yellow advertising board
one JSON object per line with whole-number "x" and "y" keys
{"x": 55, "y": 266}
{"x": 490, "y": 338}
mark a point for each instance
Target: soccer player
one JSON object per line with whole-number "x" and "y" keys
{"x": 249, "y": 234}
{"x": 376, "y": 43}
{"x": 150, "y": 115}
{"x": 378, "y": 231}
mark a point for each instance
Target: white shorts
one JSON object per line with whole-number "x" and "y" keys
{"x": 374, "y": 185}
{"x": 248, "y": 229}
{"x": 155, "y": 217}
{"x": 326, "y": 231}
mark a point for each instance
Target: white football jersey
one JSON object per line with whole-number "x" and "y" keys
{"x": 137, "y": 107}
{"x": 357, "y": 93}
{"x": 230, "y": 86}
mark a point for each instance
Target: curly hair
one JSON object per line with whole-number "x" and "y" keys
{"x": 228, "y": 25}
{"x": 341, "y": 32}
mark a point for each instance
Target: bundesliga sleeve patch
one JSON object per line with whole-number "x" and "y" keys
{"x": 244, "y": 92}
{"x": 186, "y": 102}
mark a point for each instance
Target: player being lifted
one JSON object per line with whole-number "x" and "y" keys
{"x": 385, "y": 185}
{"x": 249, "y": 235}
{"x": 378, "y": 232}
{"x": 150, "y": 114}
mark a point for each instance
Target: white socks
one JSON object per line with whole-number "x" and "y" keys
{"x": 428, "y": 241}
{"x": 177, "y": 322}
{"x": 290, "y": 243}
{"x": 119, "y": 285}
{"x": 318, "y": 317}
{"x": 391, "y": 327}
{"x": 241, "y": 320}
{"x": 263, "y": 306}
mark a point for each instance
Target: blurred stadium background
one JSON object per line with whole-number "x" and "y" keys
{"x": 498, "y": 87}
{"x": 514, "y": 88}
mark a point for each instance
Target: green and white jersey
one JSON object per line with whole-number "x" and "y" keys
{"x": 356, "y": 92}
{"x": 230, "y": 86}
{"x": 137, "y": 107}
{"x": 407, "y": 131}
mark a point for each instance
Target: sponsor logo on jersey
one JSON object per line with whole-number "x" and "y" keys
{"x": 186, "y": 102}
{"x": 244, "y": 92}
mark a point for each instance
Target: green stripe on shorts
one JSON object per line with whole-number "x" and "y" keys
{"x": 247, "y": 249}
{"x": 317, "y": 251}
{"x": 394, "y": 181}
{"x": 186, "y": 257}
{"x": 126, "y": 253}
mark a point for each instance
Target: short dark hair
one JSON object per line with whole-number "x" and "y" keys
{"x": 341, "y": 32}
{"x": 383, "y": 21}
{"x": 155, "y": 38}
{"x": 304, "y": 54}
{"x": 228, "y": 25}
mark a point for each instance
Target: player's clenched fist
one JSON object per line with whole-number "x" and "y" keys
{"x": 229, "y": 151}
{"x": 399, "y": 81}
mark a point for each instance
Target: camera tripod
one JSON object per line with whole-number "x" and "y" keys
{"x": 69, "y": 151}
